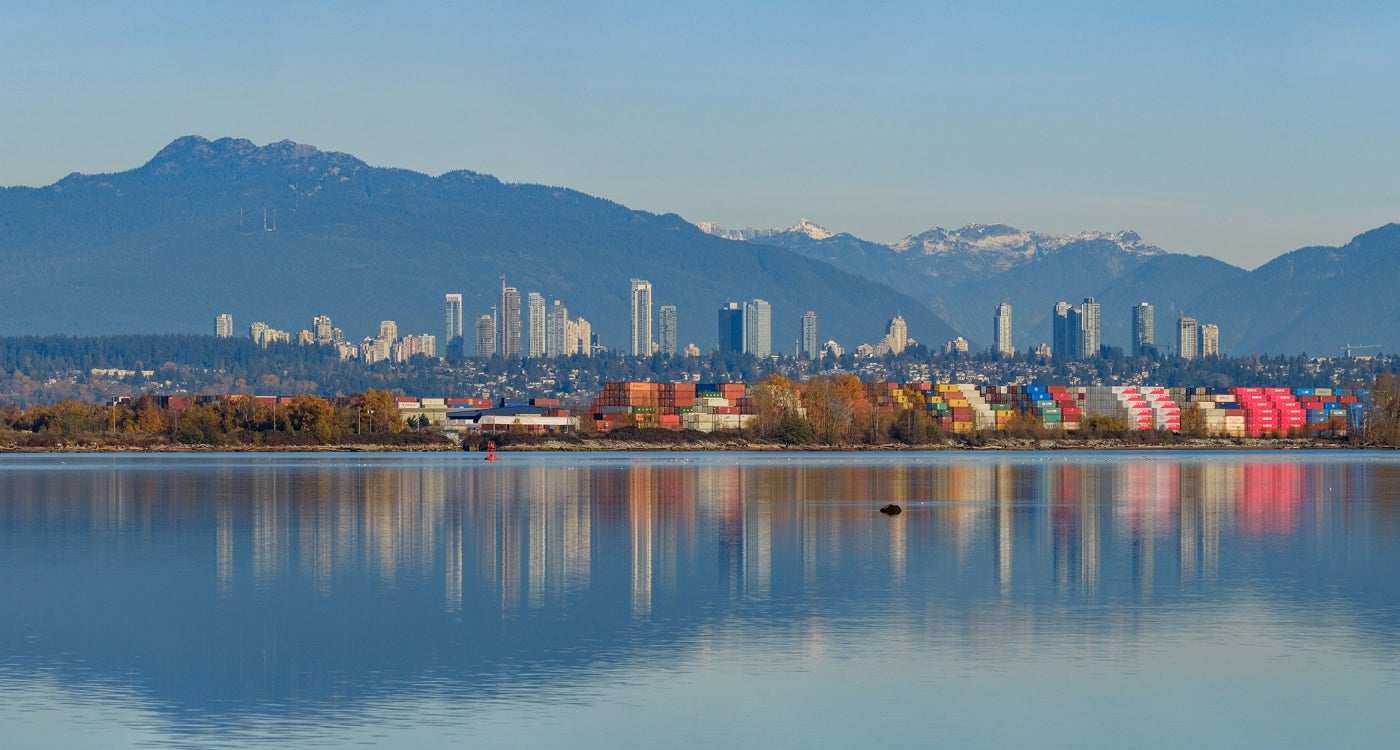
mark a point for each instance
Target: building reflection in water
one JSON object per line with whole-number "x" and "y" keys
{"x": 527, "y": 535}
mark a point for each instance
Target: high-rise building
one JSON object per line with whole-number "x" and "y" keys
{"x": 578, "y": 339}
{"x": 453, "y": 313}
{"x": 810, "y": 346}
{"x": 411, "y": 346}
{"x": 508, "y": 337}
{"x": 1210, "y": 340}
{"x": 1001, "y": 330}
{"x": 897, "y": 337}
{"x": 388, "y": 331}
{"x": 1089, "y": 339}
{"x": 223, "y": 326}
{"x": 1144, "y": 330}
{"x": 1188, "y": 337}
{"x": 322, "y": 330}
{"x": 641, "y": 318}
{"x": 666, "y": 330}
{"x": 485, "y": 336}
{"x": 1062, "y": 343}
{"x": 758, "y": 328}
{"x": 258, "y": 332}
{"x": 731, "y": 328}
{"x": 556, "y": 328}
{"x": 534, "y": 306}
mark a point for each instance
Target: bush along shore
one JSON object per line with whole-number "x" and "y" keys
{"x": 368, "y": 421}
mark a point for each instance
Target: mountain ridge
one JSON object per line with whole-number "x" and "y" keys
{"x": 167, "y": 245}
{"x": 1278, "y": 307}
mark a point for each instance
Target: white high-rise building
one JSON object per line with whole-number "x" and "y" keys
{"x": 1001, "y": 330}
{"x": 758, "y": 328}
{"x": 453, "y": 313}
{"x": 322, "y": 330}
{"x": 388, "y": 331}
{"x": 556, "y": 328}
{"x": 810, "y": 347}
{"x": 1089, "y": 339}
{"x": 1188, "y": 338}
{"x": 534, "y": 305}
{"x": 666, "y": 330}
{"x": 223, "y": 326}
{"x": 641, "y": 318}
{"x": 485, "y": 336}
{"x": 579, "y": 337}
{"x": 1210, "y": 340}
{"x": 1065, "y": 340}
{"x": 897, "y": 338}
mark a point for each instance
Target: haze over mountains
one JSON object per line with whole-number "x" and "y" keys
{"x": 167, "y": 246}
{"x": 1311, "y": 300}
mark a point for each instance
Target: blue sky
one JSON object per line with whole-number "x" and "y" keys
{"x": 1239, "y": 130}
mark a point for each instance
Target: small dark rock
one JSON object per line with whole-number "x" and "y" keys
{"x": 891, "y": 510}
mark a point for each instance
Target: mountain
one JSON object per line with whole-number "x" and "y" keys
{"x": 1313, "y": 300}
{"x": 284, "y": 232}
{"x": 802, "y": 228}
{"x": 961, "y": 274}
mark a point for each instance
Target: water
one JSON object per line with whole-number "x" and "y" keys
{"x": 675, "y": 600}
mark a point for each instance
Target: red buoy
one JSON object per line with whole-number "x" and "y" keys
{"x": 491, "y": 451}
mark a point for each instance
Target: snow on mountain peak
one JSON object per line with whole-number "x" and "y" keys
{"x": 1012, "y": 242}
{"x": 812, "y": 229}
{"x": 803, "y": 226}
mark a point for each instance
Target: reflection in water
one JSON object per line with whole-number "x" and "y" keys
{"x": 229, "y": 586}
{"x": 527, "y": 532}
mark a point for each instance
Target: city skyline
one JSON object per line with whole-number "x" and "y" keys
{"x": 745, "y": 327}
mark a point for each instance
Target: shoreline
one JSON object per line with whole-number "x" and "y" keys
{"x": 721, "y": 446}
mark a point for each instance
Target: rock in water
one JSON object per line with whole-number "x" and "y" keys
{"x": 891, "y": 510}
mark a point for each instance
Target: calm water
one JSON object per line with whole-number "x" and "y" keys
{"x": 715, "y": 600}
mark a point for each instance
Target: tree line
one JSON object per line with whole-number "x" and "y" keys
{"x": 372, "y": 417}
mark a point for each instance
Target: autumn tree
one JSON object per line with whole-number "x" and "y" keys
{"x": 198, "y": 425}
{"x": 913, "y": 425}
{"x": 836, "y": 408}
{"x": 380, "y": 411}
{"x": 774, "y": 398}
{"x": 1382, "y": 426}
{"x": 313, "y": 415}
{"x": 1193, "y": 422}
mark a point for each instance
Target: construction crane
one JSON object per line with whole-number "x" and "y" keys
{"x": 1349, "y": 347}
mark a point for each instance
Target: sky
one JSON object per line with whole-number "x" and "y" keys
{"x": 1239, "y": 130}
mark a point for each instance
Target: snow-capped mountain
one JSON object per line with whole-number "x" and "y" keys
{"x": 978, "y": 248}
{"x": 962, "y": 273}
{"x": 803, "y": 227}
{"x": 1000, "y": 238}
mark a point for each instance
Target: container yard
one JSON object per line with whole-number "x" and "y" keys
{"x": 962, "y": 408}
